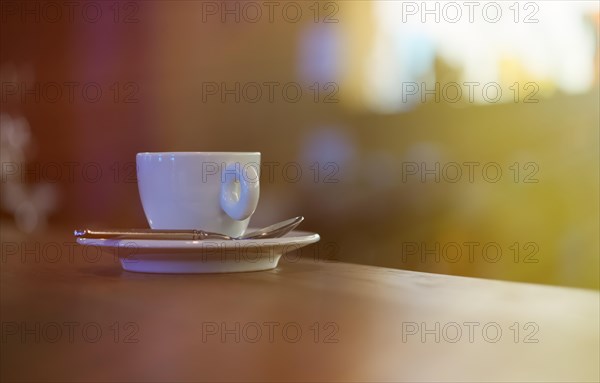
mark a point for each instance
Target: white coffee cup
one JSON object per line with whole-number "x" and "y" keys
{"x": 212, "y": 191}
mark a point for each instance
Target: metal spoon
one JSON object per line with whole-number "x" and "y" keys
{"x": 274, "y": 231}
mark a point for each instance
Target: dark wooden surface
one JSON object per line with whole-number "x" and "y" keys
{"x": 357, "y": 323}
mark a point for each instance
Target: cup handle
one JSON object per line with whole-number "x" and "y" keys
{"x": 239, "y": 205}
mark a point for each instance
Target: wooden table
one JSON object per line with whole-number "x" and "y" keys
{"x": 84, "y": 319}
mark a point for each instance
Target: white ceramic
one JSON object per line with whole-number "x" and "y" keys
{"x": 208, "y": 256}
{"x": 212, "y": 191}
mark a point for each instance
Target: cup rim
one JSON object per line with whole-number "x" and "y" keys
{"x": 198, "y": 153}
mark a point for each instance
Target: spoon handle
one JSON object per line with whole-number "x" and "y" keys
{"x": 192, "y": 235}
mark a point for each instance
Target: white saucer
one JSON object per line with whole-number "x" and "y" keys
{"x": 208, "y": 256}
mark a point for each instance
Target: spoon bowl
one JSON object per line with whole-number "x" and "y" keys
{"x": 274, "y": 231}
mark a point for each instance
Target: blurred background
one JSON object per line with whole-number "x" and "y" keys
{"x": 439, "y": 137}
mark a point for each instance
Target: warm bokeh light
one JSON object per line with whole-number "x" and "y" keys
{"x": 552, "y": 43}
